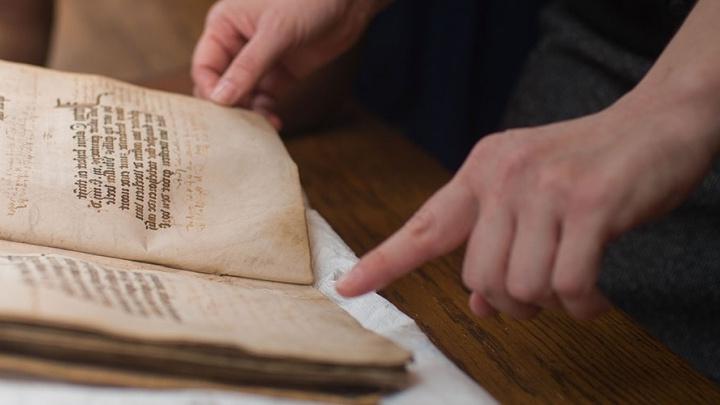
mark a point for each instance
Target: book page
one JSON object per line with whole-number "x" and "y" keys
{"x": 153, "y": 303}
{"x": 100, "y": 166}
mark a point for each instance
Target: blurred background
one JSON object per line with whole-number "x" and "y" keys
{"x": 440, "y": 71}
{"x": 132, "y": 40}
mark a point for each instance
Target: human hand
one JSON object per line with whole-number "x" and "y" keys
{"x": 252, "y": 51}
{"x": 538, "y": 205}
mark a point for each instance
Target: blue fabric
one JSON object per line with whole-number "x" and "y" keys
{"x": 442, "y": 70}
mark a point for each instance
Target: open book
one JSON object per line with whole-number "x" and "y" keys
{"x": 148, "y": 233}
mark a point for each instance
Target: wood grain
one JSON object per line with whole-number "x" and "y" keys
{"x": 367, "y": 180}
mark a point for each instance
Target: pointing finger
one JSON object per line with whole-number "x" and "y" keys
{"x": 438, "y": 227}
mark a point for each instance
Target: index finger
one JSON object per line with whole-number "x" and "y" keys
{"x": 212, "y": 55}
{"x": 255, "y": 59}
{"x": 439, "y": 226}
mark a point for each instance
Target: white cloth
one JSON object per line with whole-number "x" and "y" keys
{"x": 438, "y": 380}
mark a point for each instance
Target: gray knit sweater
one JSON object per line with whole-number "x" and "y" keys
{"x": 665, "y": 274}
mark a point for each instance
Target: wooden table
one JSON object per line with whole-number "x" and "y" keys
{"x": 366, "y": 180}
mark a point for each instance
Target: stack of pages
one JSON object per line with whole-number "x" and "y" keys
{"x": 154, "y": 239}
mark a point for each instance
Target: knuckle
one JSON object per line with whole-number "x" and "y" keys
{"x": 487, "y": 149}
{"x": 591, "y": 194}
{"x": 508, "y": 179}
{"x": 525, "y": 291}
{"x": 505, "y": 157}
{"x": 276, "y": 20}
{"x": 196, "y": 72}
{"x": 491, "y": 286}
{"x": 199, "y": 70}
{"x": 215, "y": 12}
{"x": 555, "y": 180}
{"x": 484, "y": 282}
{"x": 571, "y": 286}
{"x": 243, "y": 65}
{"x": 377, "y": 259}
{"x": 484, "y": 148}
{"x": 515, "y": 161}
{"x": 422, "y": 231}
{"x": 471, "y": 280}
{"x": 238, "y": 78}
{"x": 245, "y": 24}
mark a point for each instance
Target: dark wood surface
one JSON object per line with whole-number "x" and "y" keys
{"x": 366, "y": 180}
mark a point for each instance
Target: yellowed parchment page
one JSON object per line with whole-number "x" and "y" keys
{"x": 100, "y": 166}
{"x": 154, "y": 303}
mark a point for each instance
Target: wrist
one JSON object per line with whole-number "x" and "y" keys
{"x": 687, "y": 108}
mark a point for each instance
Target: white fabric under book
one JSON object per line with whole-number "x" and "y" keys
{"x": 439, "y": 381}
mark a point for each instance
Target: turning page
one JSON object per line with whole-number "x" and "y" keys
{"x": 100, "y": 166}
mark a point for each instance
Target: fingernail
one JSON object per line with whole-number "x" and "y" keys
{"x": 350, "y": 282}
{"x": 223, "y": 92}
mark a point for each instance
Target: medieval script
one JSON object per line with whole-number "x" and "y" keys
{"x": 99, "y": 166}
{"x": 156, "y": 303}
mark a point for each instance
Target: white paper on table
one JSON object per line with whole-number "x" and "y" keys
{"x": 438, "y": 380}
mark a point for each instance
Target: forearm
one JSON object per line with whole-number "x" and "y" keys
{"x": 685, "y": 80}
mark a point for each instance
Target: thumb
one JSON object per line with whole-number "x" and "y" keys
{"x": 254, "y": 60}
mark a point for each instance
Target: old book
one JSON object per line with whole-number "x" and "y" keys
{"x": 149, "y": 232}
